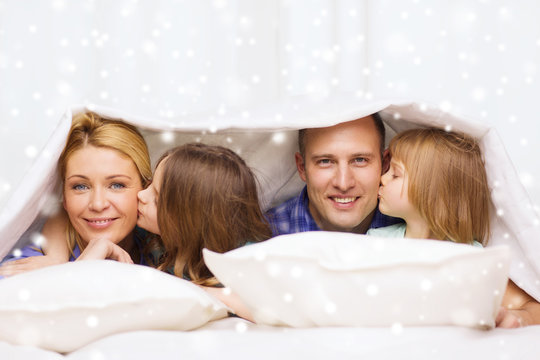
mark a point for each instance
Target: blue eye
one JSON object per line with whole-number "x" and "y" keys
{"x": 79, "y": 187}
{"x": 117, "y": 186}
{"x": 360, "y": 160}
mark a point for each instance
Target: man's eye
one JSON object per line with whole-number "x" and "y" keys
{"x": 117, "y": 186}
{"x": 360, "y": 160}
{"x": 323, "y": 161}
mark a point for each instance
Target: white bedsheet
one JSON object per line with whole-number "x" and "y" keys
{"x": 234, "y": 338}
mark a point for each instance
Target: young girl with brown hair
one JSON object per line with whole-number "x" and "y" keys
{"x": 437, "y": 183}
{"x": 201, "y": 196}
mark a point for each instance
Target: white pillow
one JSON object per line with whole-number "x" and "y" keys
{"x": 64, "y": 307}
{"x": 340, "y": 279}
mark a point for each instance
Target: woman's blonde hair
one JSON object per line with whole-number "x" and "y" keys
{"x": 447, "y": 182}
{"x": 92, "y": 129}
{"x": 208, "y": 199}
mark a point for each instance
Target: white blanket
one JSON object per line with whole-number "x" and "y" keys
{"x": 237, "y": 339}
{"x": 265, "y": 136}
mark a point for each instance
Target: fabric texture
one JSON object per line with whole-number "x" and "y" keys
{"x": 392, "y": 231}
{"x": 398, "y": 231}
{"x": 322, "y": 278}
{"x": 67, "y": 306}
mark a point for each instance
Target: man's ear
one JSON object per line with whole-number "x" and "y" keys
{"x": 385, "y": 161}
{"x": 300, "y": 166}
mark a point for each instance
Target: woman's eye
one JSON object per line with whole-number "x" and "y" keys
{"x": 117, "y": 186}
{"x": 79, "y": 187}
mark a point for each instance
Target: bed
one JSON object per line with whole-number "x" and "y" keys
{"x": 37, "y": 323}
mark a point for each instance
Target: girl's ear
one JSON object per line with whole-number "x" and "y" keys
{"x": 385, "y": 161}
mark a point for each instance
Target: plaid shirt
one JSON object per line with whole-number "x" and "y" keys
{"x": 293, "y": 216}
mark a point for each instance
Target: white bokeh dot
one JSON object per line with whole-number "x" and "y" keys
{"x": 31, "y": 151}
{"x": 24, "y": 294}
{"x": 167, "y": 137}
{"x": 426, "y": 285}
{"x": 92, "y": 321}
{"x": 287, "y": 297}
{"x": 240, "y": 327}
{"x": 330, "y": 308}
{"x": 445, "y": 105}
{"x": 397, "y": 328}
{"x": 372, "y": 290}
{"x": 278, "y": 138}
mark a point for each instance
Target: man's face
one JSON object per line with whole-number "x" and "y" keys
{"x": 342, "y": 170}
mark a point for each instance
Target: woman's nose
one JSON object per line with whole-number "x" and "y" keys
{"x": 98, "y": 200}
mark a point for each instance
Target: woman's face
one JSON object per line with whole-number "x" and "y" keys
{"x": 148, "y": 199}
{"x": 100, "y": 193}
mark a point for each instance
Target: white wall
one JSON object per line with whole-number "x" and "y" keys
{"x": 165, "y": 58}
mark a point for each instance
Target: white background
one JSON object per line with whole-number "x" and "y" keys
{"x": 478, "y": 59}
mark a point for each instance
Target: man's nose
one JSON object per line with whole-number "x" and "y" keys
{"x": 344, "y": 178}
{"x": 98, "y": 200}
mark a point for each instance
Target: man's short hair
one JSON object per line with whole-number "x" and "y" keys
{"x": 379, "y": 125}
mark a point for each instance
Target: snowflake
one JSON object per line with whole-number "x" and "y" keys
{"x": 372, "y": 290}
{"x": 92, "y": 321}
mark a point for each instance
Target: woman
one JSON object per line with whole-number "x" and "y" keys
{"x": 103, "y": 166}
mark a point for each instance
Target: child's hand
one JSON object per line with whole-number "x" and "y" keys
{"x": 104, "y": 249}
{"x": 28, "y": 264}
{"x": 509, "y": 319}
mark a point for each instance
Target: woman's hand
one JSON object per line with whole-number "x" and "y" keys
{"x": 105, "y": 249}
{"x": 28, "y": 264}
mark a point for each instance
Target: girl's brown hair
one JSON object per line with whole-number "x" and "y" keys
{"x": 208, "y": 199}
{"x": 92, "y": 129}
{"x": 447, "y": 182}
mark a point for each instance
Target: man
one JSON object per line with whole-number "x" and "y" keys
{"x": 341, "y": 166}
